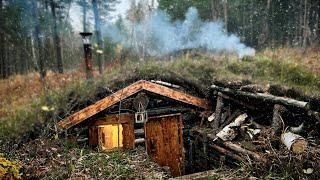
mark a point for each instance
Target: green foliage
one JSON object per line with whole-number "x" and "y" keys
{"x": 275, "y": 71}
{"x": 136, "y": 12}
{"x": 18, "y": 121}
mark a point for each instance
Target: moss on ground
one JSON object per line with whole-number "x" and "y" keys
{"x": 282, "y": 72}
{"x": 8, "y": 169}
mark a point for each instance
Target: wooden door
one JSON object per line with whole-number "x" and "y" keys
{"x": 110, "y": 137}
{"x": 164, "y": 142}
{"x": 104, "y": 132}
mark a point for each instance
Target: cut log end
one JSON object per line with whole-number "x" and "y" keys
{"x": 294, "y": 142}
{"x": 299, "y": 146}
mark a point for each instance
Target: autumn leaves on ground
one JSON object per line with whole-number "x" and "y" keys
{"x": 29, "y": 107}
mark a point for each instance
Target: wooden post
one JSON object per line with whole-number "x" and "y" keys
{"x": 218, "y": 111}
{"x": 87, "y": 54}
{"x": 88, "y": 61}
{"x": 277, "y": 123}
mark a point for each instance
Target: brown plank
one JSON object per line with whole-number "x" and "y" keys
{"x": 126, "y": 92}
{"x": 173, "y": 144}
{"x": 154, "y": 142}
{"x": 93, "y": 136}
{"x": 128, "y": 135}
{"x": 100, "y": 105}
{"x": 114, "y": 119}
{"x": 176, "y": 95}
{"x": 165, "y": 132}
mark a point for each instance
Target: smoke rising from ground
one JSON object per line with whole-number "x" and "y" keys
{"x": 157, "y": 35}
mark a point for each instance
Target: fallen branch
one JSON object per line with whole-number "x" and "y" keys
{"x": 238, "y": 102}
{"x": 226, "y": 152}
{"x": 228, "y": 133}
{"x": 264, "y": 96}
{"x": 254, "y": 88}
{"x": 241, "y": 150}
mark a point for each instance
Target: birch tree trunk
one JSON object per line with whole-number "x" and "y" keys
{"x": 306, "y": 28}
{"x": 56, "y": 37}
{"x": 39, "y": 40}
{"x": 225, "y": 13}
{"x": 98, "y": 34}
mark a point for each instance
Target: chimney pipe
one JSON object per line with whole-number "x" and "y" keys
{"x": 87, "y": 53}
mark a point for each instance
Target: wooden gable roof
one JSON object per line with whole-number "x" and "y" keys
{"x": 124, "y": 93}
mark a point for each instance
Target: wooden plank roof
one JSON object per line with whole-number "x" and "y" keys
{"x": 124, "y": 93}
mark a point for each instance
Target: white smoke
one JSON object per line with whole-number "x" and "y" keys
{"x": 157, "y": 35}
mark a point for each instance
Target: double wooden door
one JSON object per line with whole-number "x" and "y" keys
{"x": 164, "y": 142}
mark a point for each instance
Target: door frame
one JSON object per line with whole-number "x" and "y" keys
{"x": 181, "y": 155}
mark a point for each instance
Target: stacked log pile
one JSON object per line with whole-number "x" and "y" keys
{"x": 253, "y": 126}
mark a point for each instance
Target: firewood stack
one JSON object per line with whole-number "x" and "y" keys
{"x": 252, "y": 125}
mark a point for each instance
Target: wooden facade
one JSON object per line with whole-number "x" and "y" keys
{"x": 172, "y": 125}
{"x": 126, "y": 92}
{"x": 111, "y": 132}
{"x": 161, "y": 134}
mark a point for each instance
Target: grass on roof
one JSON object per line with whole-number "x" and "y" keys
{"x": 44, "y": 107}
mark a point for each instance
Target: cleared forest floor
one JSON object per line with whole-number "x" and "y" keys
{"x": 27, "y": 108}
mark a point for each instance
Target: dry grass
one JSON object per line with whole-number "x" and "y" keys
{"x": 309, "y": 58}
{"x": 20, "y": 90}
{"x": 64, "y": 159}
